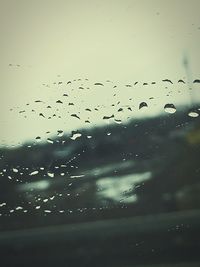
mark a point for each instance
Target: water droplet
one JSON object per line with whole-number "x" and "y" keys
{"x": 77, "y": 176}
{"x": 34, "y": 173}
{"x": 75, "y": 136}
{"x": 193, "y": 114}
{"x": 108, "y": 117}
{"x": 167, "y": 80}
{"x": 15, "y": 170}
{"x": 143, "y": 105}
{"x": 118, "y": 121}
{"x": 49, "y": 140}
{"x": 47, "y": 211}
{"x": 42, "y": 115}
{"x": 170, "y": 108}
{"x": 181, "y": 81}
{"x": 38, "y": 138}
{"x": 75, "y": 116}
{"x": 99, "y": 84}
{"x": 60, "y": 133}
{"x": 59, "y": 102}
{"x": 50, "y": 174}
{"x": 19, "y": 208}
{"x": 61, "y": 211}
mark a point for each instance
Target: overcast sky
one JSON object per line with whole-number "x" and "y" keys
{"x": 123, "y": 41}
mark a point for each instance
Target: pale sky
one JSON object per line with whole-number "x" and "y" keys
{"x": 123, "y": 41}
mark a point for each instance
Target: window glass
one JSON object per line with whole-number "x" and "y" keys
{"x": 100, "y": 121}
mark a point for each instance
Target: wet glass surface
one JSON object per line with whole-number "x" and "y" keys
{"x": 117, "y": 166}
{"x": 100, "y": 134}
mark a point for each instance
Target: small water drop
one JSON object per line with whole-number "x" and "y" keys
{"x": 75, "y": 136}
{"x": 167, "y": 80}
{"x": 196, "y": 81}
{"x": 38, "y": 138}
{"x": 108, "y": 117}
{"x": 75, "y": 116}
{"x": 50, "y": 174}
{"x": 47, "y": 211}
{"x": 77, "y": 176}
{"x": 34, "y": 173}
{"x": 19, "y": 208}
{"x": 49, "y": 140}
{"x": 181, "y": 81}
{"x": 143, "y": 105}
{"x": 99, "y": 84}
{"x": 170, "y": 108}
{"x": 59, "y": 102}
{"x": 118, "y": 121}
{"x": 60, "y": 133}
{"x": 42, "y": 115}
{"x": 193, "y": 114}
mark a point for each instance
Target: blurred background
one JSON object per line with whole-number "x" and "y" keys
{"x": 100, "y": 133}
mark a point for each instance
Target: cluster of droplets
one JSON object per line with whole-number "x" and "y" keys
{"x": 67, "y": 102}
{"x": 41, "y": 203}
